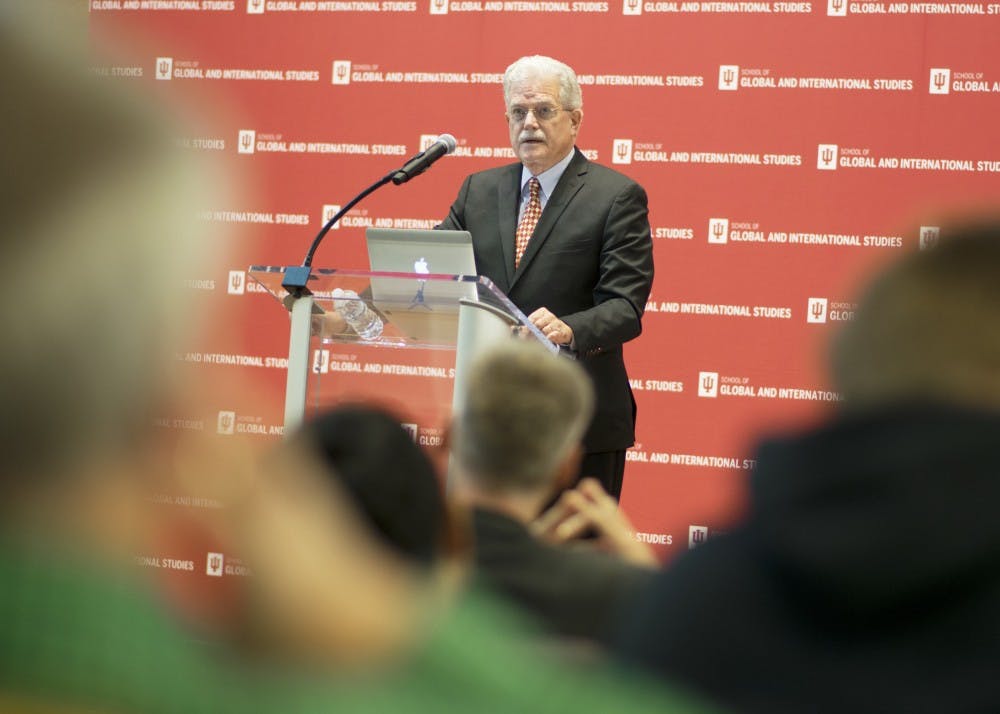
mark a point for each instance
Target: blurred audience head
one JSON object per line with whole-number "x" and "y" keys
{"x": 388, "y": 476}
{"x": 927, "y": 328}
{"x": 524, "y": 414}
{"x": 97, "y": 233}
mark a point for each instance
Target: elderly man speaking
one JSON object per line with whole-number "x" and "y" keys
{"x": 569, "y": 242}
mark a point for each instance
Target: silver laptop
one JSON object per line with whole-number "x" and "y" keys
{"x": 419, "y": 306}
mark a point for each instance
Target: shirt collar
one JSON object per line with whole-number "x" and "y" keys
{"x": 548, "y": 178}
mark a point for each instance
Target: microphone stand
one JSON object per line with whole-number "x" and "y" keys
{"x": 302, "y": 306}
{"x": 297, "y": 276}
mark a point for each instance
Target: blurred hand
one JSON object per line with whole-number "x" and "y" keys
{"x": 588, "y": 507}
{"x": 322, "y": 588}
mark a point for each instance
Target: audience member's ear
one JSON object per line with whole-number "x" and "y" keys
{"x": 567, "y": 470}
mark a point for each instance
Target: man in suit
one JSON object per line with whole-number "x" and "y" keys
{"x": 569, "y": 242}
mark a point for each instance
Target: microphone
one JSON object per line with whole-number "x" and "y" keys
{"x": 444, "y": 144}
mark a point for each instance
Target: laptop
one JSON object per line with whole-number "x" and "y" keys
{"x": 423, "y": 309}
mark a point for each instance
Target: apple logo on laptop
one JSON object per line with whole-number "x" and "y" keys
{"x": 420, "y": 266}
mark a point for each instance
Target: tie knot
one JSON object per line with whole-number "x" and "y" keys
{"x": 533, "y": 187}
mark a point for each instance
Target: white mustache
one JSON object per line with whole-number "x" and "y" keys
{"x": 531, "y": 137}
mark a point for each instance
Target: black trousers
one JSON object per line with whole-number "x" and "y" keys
{"x": 608, "y": 467}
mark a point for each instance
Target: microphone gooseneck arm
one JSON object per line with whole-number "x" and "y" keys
{"x": 296, "y": 277}
{"x": 307, "y": 263}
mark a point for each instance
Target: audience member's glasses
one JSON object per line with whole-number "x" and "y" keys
{"x": 545, "y": 112}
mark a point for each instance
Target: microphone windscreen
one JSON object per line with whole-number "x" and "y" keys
{"x": 449, "y": 141}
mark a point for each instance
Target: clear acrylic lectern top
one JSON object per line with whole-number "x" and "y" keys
{"x": 384, "y": 309}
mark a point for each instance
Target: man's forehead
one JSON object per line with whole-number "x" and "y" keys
{"x": 534, "y": 89}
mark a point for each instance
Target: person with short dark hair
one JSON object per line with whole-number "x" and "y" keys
{"x": 391, "y": 480}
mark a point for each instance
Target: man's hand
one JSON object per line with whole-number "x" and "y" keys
{"x": 552, "y": 327}
{"x": 588, "y": 506}
{"x": 330, "y": 324}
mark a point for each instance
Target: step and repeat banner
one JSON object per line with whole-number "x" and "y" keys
{"x": 788, "y": 149}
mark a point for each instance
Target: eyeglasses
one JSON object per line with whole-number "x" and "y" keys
{"x": 544, "y": 112}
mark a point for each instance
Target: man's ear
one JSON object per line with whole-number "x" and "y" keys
{"x": 576, "y": 116}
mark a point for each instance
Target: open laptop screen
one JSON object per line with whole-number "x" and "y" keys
{"x": 411, "y": 303}
{"x": 420, "y": 251}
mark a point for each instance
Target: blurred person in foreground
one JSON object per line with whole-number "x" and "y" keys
{"x": 516, "y": 441}
{"x": 97, "y": 234}
{"x": 866, "y": 576}
{"x": 94, "y": 194}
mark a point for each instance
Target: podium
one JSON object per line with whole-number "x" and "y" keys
{"x": 405, "y": 340}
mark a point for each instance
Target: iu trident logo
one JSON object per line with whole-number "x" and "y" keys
{"x": 929, "y": 236}
{"x": 836, "y": 8}
{"x": 697, "y": 535}
{"x": 940, "y": 81}
{"x": 247, "y": 140}
{"x": 729, "y": 75}
{"x": 621, "y": 151}
{"x": 439, "y": 7}
{"x": 214, "y": 563}
{"x": 164, "y": 67}
{"x": 321, "y": 362}
{"x": 227, "y": 420}
{"x": 341, "y": 72}
{"x": 708, "y": 384}
{"x": 410, "y": 429}
{"x": 631, "y": 7}
{"x": 237, "y": 282}
{"x": 718, "y": 230}
{"x": 329, "y": 211}
{"x": 826, "y": 157}
{"x": 816, "y": 311}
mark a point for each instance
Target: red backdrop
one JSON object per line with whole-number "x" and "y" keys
{"x": 788, "y": 148}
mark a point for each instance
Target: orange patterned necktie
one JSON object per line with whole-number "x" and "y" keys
{"x": 532, "y": 212}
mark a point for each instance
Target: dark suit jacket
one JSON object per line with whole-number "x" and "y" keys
{"x": 572, "y": 593}
{"x": 589, "y": 261}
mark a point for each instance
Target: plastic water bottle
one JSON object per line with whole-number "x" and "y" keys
{"x": 359, "y": 316}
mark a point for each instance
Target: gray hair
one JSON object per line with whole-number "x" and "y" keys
{"x": 570, "y": 95}
{"x": 524, "y": 411}
{"x": 927, "y": 328}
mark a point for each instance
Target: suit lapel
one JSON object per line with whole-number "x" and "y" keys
{"x": 508, "y": 202}
{"x": 569, "y": 183}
